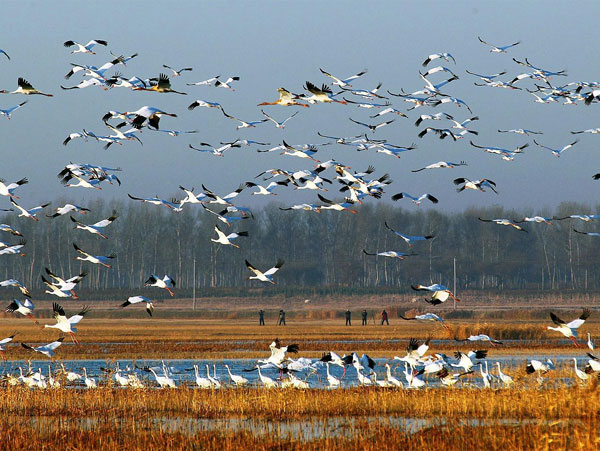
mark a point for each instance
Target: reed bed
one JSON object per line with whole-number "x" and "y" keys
{"x": 559, "y": 403}
{"x": 207, "y": 339}
{"x": 557, "y": 418}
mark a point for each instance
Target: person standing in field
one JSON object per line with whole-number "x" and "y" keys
{"x": 384, "y": 318}
{"x": 364, "y": 317}
{"x": 281, "y": 318}
{"x": 348, "y": 318}
{"x": 261, "y": 317}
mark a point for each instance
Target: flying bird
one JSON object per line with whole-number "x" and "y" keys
{"x": 97, "y": 227}
{"x": 440, "y": 293}
{"x": 343, "y": 83}
{"x": 24, "y": 87}
{"x": 87, "y": 48}
{"x": 446, "y": 56}
{"x": 478, "y": 185}
{"x": 569, "y": 329}
{"x": 504, "y": 222}
{"x": 410, "y": 239}
{"x": 6, "y": 113}
{"x": 8, "y": 190}
{"x": 416, "y": 200}
{"x": 373, "y": 127}
{"x": 267, "y": 276}
{"x": 498, "y": 49}
{"x": 65, "y": 324}
{"x": 167, "y": 282}
{"x": 97, "y": 259}
{"x": 227, "y": 239}
{"x": 556, "y": 152}
{"x": 441, "y": 164}
{"x": 137, "y": 299}
{"x": 392, "y": 254}
{"x": 47, "y": 350}
{"x": 286, "y": 98}
{"x": 177, "y": 73}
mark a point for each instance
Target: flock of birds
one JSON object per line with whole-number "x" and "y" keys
{"x": 417, "y": 370}
{"x": 356, "y": 186}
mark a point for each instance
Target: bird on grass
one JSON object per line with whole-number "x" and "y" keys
{"x": 239, "y": 381}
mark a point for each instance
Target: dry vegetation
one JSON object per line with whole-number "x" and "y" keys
{"x": 525, "y": 417}
{"x": 562, "y": 418}
{"x": 150, "y": 338}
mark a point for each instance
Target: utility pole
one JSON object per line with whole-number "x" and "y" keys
{"x": 194, "y": 288}
{"x": 454, "y": 287}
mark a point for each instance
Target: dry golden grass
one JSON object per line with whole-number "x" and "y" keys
{"x": 197, "y": 338}
{"x": 562, "y": 418}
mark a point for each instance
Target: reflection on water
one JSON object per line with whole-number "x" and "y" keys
{"x": 303, "y": 430}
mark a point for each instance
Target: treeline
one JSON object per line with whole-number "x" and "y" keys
{"x": 319, "y": 250}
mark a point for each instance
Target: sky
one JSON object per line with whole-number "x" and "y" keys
{"x": 272, "y": 44}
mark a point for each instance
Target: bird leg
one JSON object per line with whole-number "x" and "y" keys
{"x": 73, "y": 338}
{"x": 29, "y": 315}
{"x": 575, "y": 342}
{"x": 170, "y": 292}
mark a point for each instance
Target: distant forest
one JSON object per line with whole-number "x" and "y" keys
{"x": 322, "y": 250}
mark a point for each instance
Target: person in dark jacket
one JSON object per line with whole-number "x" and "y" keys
{"x": 281, "y": 318}
{"x": 261, "y": 317}
{"x": 384, "y": 318}
{"x": 364, "y": 317}
{"x": 348, "y": 318}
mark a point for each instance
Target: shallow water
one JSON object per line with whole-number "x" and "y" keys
{"x": 302, "y": 430}
{"x": 182, "y": 371}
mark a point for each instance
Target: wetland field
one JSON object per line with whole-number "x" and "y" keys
{"x": 549, "y": 411}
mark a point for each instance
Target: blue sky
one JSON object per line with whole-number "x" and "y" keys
{"x": 271, "y": 44}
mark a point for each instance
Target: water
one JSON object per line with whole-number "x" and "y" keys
{"x": 182, "y": 371}
{"x": 303, "y": 430}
